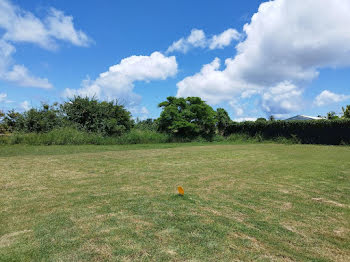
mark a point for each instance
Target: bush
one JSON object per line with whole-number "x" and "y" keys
{"x": 91, "y": 115}
{"x": 307, "y": 132}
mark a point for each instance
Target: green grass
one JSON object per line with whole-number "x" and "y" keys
{"x": 243, "y": 202}
{"x": 72, "y": 136}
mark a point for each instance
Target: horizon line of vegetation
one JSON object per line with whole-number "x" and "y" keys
{"x": 84, "y": 120}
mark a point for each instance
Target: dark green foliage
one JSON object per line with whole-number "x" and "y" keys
{"x": 261, "y": 119}
{"x": 346, "y": 112}
{"x": 332, "y": 116}
{"x": 40, "y": 120}
{"x": 333, "y": 132}
{"x": 272, "y": 118}
{"x": 11, "y": 120}
{"x": 91, "y": 115}
{"x": 187, "y": 117}
{"x": 222, "y": 120}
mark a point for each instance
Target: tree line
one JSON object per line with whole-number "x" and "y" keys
{"x": 182, "y": 118}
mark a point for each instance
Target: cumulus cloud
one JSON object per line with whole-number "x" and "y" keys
{"x": 213, "y": 85}
{"x": 22, "y": 26}
{"x": 197, "y": 38}
{"x": 224, "y": 39}
{"x": 327, "y": 97}
{"x": 118, "y": 81}
{"x": 285, "y": 42}
{"x": 22, "y": 77}
{"x": 282, "y": 99}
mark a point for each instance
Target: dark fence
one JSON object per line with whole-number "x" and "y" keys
{"x": 328, "y": 132}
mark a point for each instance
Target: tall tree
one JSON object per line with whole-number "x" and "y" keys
{"x": 187, "y": 118}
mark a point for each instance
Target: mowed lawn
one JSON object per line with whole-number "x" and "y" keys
{"x": 254, "y": 202}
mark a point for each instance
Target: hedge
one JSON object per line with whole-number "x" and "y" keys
{"x": 328, "y": 132}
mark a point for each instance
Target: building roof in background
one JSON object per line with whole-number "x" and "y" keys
{"x": 303, "y": 117}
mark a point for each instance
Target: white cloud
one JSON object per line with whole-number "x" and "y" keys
{"x": 224, "y": 39}
{"x": 25, "y": 105}
{"x": 213, "y": 85}
{"x": 197, "y": 38}
{"x": 243, "y": 119}
{"x": 21, "y": 76}
{"x": 286, "y": 42}
{"x": 118, "y": 81}
{"x": 61, "y": 27}
{"x": 282, "y": 99}
{"x": 17, "y": 74}
{"x": 327, "y": 97}
{"x": 22, "y": 26}
{"x": 140, "y": 112}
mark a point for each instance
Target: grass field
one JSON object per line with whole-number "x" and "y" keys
{"x": 254, "y": 202}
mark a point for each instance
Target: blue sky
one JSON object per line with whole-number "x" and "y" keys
{"x": 291, "y": 58}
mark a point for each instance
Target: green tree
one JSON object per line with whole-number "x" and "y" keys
{"x": 12, "y": 120}
{"x": 346, "y": 112}
{"x": 89, "y": 114}
{"x": 332, "y": 115}
{"x": 222, "y": 120}
{"x": 272, "y": 118}
{"x": 187, "y": 118}
{"x": 261, "y": 119}
{"x": 42, "y": 119}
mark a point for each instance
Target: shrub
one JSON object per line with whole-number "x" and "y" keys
{"x": 43, "y": 119}
{"x": 91, "y": 115}
{"x": 306, "y": 132}
{"x": 11, "y": 120}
